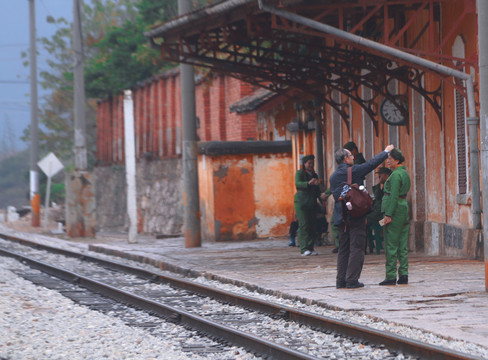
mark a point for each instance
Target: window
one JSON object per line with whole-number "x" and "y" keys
{"x": 458, "y": 50}
{"x": 461, "y": 141}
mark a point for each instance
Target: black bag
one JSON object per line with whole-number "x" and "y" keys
{"x": 360, "y": 201}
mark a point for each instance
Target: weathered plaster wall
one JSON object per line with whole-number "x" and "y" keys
{"x": 271, "y": 124}
{"x": 207, "y": 197}
{"x": 159, "y": 199}
{"x": 274, "y": 192}
{"x": 244, "y": 196}
{"x": 234, "y": 197}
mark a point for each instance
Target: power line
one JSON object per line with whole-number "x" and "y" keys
{"x": 14, "y": 82}
{"x": 14, "y": 45}
{"x": 14, "y": 109}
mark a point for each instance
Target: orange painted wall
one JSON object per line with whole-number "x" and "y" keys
{"x": 235, "y": 202}
{"x": 274, "y": 191}
{"x": 245, "y": 196}
{"x": 207, "y": 197}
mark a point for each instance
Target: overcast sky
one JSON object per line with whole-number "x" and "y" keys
{"x": 14, "y": 76}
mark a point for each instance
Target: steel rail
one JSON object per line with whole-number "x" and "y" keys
{"x": 233, "y": 336}
{"x": 324, "y": 323}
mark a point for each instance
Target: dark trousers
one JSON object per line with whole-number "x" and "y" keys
{"x": 374, "y": 238}
{"x": 350, "y": 258}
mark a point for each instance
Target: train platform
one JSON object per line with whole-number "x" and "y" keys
{"x": 445, "y": 296}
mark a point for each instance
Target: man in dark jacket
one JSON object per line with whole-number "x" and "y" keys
{"x": 352, "y": 240}
{"x": 358, "y": 159}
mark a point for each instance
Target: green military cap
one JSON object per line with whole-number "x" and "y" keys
{"x": 397, "y": 155}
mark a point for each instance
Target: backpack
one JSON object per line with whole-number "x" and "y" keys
{"x": 360, "y": 201}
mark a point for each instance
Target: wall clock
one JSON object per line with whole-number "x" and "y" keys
{"x": 391, "y": 114}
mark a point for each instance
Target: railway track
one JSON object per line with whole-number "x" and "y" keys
{"x": 261, "y": 327}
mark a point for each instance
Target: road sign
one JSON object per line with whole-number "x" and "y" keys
{"x": 50, "y": 165}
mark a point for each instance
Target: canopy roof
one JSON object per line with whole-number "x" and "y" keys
{"x": 295, "y": 58}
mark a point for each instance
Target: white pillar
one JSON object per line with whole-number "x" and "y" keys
{"x": 130, "y": 165}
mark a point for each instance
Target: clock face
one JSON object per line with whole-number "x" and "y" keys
{"x": 391, "y": 114}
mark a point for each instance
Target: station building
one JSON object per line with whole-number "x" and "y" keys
{"x": 279, "y": 79}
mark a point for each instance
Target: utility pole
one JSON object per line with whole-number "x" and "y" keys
{"x": 79, "y": 90}
{"x": 35, "y": 197}
{"x": 191, "y": 202}
{"x": 80, "y": 192}
{"x": 483, "y": 64}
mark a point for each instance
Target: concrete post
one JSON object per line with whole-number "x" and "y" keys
{"x": 80, "y": 189}
{"x": 130, "y": 165}
{"x": 79, "y": 91}
{"x": 483, "y": 65}
{"x": 191, "y": 203}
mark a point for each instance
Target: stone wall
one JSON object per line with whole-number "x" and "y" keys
{"x": 440, "y": 239}
{"x": 159, "y": 197}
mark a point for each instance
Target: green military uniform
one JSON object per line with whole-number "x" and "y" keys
{"x": 395, "y": 205}
{"x": 306, "y": 209}
{"x": 373, "y": 230}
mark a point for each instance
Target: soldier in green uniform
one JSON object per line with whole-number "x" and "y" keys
{"x": 373, "y": 228}
{"x": 396, "y": 221}
{"x": 308, "y": 191}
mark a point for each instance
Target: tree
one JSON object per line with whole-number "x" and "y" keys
{"x": 7, "y": 146}
{"x": 56, "y": 112}
{"x": 122, "y": 57}
{"x": 117, "y": 56}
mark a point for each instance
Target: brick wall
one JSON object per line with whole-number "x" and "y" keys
{"x": 239, "y": 127}
{"x": 157, "y": 117}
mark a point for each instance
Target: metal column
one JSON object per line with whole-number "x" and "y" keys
{"x": 191, "y": 203}
{"x": 483, "y": 63}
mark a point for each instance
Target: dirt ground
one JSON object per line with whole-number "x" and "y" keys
{"x": 24, "y": 224}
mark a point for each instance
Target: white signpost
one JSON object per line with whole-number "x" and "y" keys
{"x": 50, "y": 165}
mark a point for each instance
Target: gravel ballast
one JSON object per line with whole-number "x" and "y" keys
{"x": 38, "y": 323}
